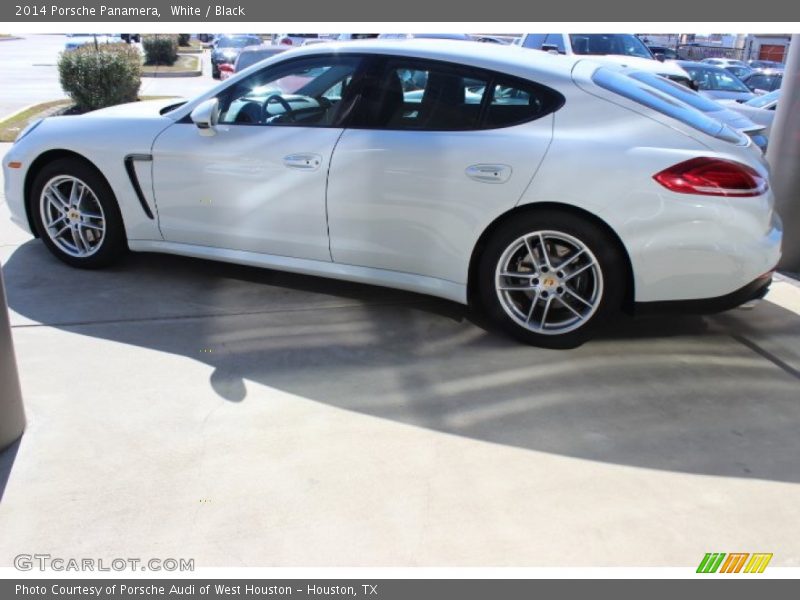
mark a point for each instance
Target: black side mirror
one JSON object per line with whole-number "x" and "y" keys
{"x": 550, "y": 48}
{"x": 659, "y": 56}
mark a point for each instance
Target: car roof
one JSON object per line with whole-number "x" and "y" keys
{"x": 694, "y": 63}
{"x": 504, "y": 57}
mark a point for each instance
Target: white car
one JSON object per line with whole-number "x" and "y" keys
{"x": 624, "y": 49}
{"x": 569, "y": 193}
{"x": 76, "y": 40}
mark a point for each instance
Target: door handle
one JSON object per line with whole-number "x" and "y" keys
{"x": 303, "y": 162}
{"x": 489, "y": 173}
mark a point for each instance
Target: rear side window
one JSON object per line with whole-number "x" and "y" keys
{"x": 654, "y": 99}
{"x": 537, "y": 40}
{"x": 436, "y": 96}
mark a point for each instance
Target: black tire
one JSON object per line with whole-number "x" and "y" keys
{"x": 113, "y": 243}
{"x": 607, "y": 298}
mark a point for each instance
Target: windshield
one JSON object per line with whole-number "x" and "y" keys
{"x": 238, "y": 42}
{"x": 608, "y": 43}
{"x": 681, "y": 92}
{"x": 715, "y": 79}
{"x": 762, "y": 101}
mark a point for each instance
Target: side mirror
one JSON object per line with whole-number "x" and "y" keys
{"x": 551, "y": 48}
{"x": 659, "y": 56}
{"x": 206, "y": 116}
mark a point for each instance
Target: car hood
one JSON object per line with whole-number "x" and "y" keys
{"x": 145, "y": 108}
{"x": 643, "y": 64}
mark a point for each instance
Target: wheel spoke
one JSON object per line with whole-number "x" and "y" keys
{"x": 53, "y": 201}
{"x": 60, "y": 231}
{"x": 91, "y": 215}
{"x": 572, "y": 258}
{"x": 59, "y": 197}
{"x": 575, "y": 312}
{"x": 545, "y": 253}
{"x": 545, "y": 312}
{"x": 577, "y": 297}
{"x": 532, "y": 254}
{"x": 87, "y": 225}
{"x": 534, "y": 302}
{"x": 80, "y": 243}
{"x": 578, "y": 271}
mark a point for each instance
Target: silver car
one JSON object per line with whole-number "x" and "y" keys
{"x": 715, "y": 82}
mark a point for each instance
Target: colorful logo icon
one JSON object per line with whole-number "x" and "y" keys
{"x": 734, "y": 562}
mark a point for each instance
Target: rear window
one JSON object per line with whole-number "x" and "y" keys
{"x": 654, "y": 99}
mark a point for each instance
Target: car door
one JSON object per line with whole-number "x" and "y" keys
{"x": 258, "y": 183}
{"x": 435, "y": 153}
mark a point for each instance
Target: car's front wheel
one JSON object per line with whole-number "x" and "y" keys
{"x": 76, "y": 214}
{"x": 551, "y": 278}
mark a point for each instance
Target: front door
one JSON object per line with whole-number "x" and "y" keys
{"x": 258, "y": 183}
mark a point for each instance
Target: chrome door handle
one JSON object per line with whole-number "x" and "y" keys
{"x": 489, "y": 173}
{"x": 303, "y": 162}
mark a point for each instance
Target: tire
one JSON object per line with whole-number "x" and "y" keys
{"x": 95, "y": 235}
{"x": 558, "y": 300}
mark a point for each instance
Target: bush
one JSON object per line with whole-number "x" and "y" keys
{"x": 95, "y": 78}
{"x": 160, "y": 49}
{"x": 183, "y": 39}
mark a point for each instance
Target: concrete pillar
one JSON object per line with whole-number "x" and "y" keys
{"x": 12, "y": 415}
{"x": 783, "y": 155}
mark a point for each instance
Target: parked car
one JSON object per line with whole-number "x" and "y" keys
{"x": 764, "y": 80}
{"x": 491, "y": 39}
{"x": 349, "y": 37}
{"x": 724, "y": 62}
{"x": 739, "y": 72}
{"x": 294, "y": 39}
{"x": 663, "y": 52}
{"x": 76, "y": 40}
{"x": 431, "y": 36}
{"x": 253, "y": 54}
{"x": 623, "y": 48}
{"x": 765, "y": 64}
{"x": 724, "y": 114}
{"x": 760, "y": 109}
{"x": 227, "y": 49}
{"x": 589, "y": 193}
{"x": 715, "y": 82}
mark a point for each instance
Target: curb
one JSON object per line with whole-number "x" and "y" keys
{"x": 16, "y": 113}
{"x": 196, "y": 73}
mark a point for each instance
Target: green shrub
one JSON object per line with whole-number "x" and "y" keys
{"x": 160, "y": 49}
{"x": 95, "y": 78}
{"x": 183, "y": 39}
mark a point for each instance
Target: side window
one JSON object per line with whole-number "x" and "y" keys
{"x": 760, "y": 82}
{"x": 534, "y": 41}
{"x": 515, "y": 101}
{"x": 424, "y": 96}
{"x": 555, "y": 39}
{"x": 305, "y": 93}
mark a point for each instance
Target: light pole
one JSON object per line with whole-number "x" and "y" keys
{"x": 783, "y": 155}
{"x": 12, "y": 415}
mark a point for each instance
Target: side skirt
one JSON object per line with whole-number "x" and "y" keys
{"x": 421, "y": 284}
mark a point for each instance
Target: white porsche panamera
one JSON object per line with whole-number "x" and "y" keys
{"x": 549, "y": 190}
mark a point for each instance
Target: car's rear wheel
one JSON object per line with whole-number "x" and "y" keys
{"x": 76, "y": 214}
{"x": 551, "y": 278}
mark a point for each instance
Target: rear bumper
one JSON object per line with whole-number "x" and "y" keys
{"x": 755, "y": 290}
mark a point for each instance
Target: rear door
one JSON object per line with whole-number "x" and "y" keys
{"x": 435, "y": 152}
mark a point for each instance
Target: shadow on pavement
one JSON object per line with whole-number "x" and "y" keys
{"x": 7, "y": 458}
{"x": 687, "y": 394}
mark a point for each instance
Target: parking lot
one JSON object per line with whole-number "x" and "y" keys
{"x": 247, "y": 417}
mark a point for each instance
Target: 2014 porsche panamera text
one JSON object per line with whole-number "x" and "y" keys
{"x": 552, "y": 191}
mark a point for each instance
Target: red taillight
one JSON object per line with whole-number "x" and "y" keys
{"x": 712, "y": 177}
{"x": 286, "y": 41}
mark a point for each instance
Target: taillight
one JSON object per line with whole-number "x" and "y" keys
{"x": 286, "y": 41}
{"x": 712, "y": 177}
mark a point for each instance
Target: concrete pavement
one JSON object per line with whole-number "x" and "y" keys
{"x": 246, "y": 417}
{"x": 28, "y": 74}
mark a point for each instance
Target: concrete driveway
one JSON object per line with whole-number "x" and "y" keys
{"x": 245, "y": 417}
